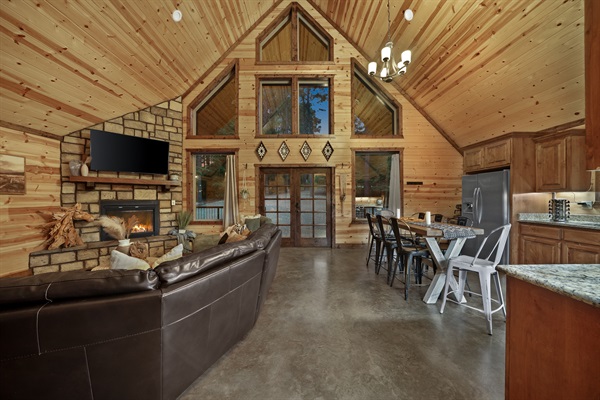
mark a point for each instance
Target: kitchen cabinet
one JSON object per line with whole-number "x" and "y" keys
{"x": 491, "y": 155}
{"x": 580, "y": 246}
{"x": 552, "y": 347}
{"x": 560, "y": 162}
{"x": 541, "y": 244}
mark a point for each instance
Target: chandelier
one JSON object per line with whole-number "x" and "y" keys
{"x": 389, "y": 68}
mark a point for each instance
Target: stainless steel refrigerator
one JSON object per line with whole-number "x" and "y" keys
{"x": 485, "y": 200}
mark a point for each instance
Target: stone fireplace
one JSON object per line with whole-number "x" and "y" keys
{"x": 146, "y": 211}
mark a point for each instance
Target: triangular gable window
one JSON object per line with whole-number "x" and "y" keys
{"x": 294, "y": 37}
{"x": 374, "y": 113}
{"x": 214, "y": 111}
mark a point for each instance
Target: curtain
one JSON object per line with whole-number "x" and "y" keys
{"x": 230, "y": 209}
{"x": 395, "y": 201}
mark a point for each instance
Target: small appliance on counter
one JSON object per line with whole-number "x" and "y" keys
{"x": 559, "y": 210}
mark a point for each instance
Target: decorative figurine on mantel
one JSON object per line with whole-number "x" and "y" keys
{"x": 60, "y": 228}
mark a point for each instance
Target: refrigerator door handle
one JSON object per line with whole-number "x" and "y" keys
{"x": 479, "y": 205}
{"x": 475, "y": 204}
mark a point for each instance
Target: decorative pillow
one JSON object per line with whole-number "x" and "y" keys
{"x": 175, "y": 253}
{"x": 120, "y": 260}
{"x": 252, "y": 223}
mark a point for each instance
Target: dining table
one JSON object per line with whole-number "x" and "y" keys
{"x": 432, "y": 233}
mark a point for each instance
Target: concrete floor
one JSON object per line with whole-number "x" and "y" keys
{"x": 331, "y": 329}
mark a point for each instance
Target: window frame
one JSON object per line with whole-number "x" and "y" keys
{"x": 295, "y": 14}
{"x": 230, "y": 72}
{"x": 390, "y": 150}
{"x": 378, "y": 91}
{"x": 191, "y": 190}
{"x": 296, "y": 80}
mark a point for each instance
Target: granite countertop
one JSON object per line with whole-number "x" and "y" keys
{"x": 576, "y": 221}
{"x": 578, "y": 281}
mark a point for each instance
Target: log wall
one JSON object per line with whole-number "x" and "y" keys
{"x": 19, "y": 212}
{"x": 426, "y": 156}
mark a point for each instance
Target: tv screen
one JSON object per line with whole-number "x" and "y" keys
{"x": 122, "y": 153}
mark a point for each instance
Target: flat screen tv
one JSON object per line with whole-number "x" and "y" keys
{"x": 122, "y": 153}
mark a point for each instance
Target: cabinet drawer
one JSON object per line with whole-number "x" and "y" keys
{"x": 540, "y": 231}
{"x": 588, "y": 236}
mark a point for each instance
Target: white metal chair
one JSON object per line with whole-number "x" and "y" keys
{"x": 486, "y": 269}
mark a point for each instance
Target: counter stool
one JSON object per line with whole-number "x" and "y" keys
{"x": 486, "y": 269}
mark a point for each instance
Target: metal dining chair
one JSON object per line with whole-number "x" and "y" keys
{"x": 438, "y": 217}
{"x": 388, "y": 242}
{"x": 485, "y": 267}
{"x": 375, "y": 240}
{"x": 408, "y": 250}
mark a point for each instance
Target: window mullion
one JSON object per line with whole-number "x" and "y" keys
{"x": 295, "y": 106}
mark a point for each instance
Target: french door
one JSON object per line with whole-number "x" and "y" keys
{"x": 299, "y": 201}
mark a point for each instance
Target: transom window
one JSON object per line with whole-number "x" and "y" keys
{"x": 294, "y": 106}
{"x": 214, "y": 112}
{"x": 294, "y": 37}
{"x": 374, "y": 113}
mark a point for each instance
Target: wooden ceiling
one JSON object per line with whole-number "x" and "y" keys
{"x": 480, "y": 68}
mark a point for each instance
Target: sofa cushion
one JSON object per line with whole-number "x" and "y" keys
{"x": 192, "y": 264}
{"x": 74, "y": 284}
{"x": 175, "y": 253}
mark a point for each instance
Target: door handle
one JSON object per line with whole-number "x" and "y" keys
{"x": 479, "y": 205}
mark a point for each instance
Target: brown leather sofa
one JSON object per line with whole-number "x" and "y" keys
{"x": 117, "y": 334}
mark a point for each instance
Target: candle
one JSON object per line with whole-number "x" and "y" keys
{"x": 428, "y": 217}
{"x": 397, "y": 213}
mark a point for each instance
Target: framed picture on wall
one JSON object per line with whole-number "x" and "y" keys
{"x": 12, "y": 174}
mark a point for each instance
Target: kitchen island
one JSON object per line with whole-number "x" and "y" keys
{"x": 553, "y": 331}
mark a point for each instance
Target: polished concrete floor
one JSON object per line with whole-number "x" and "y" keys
{"x": 331, "y": 329}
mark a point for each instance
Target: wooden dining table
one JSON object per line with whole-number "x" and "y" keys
{"x": 432, "y": 233}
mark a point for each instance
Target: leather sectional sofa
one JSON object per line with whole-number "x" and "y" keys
{"x": 117, "y": 334}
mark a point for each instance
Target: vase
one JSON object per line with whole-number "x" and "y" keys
{"x": 124, "y": 242}
{"x": 85, "y": 170}
{"x": 75, "y": 167}
{"x": 182, "y": 231}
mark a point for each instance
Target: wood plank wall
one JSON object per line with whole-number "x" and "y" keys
{"x": 426, "y": 156}
{"x": 18, "y": 213}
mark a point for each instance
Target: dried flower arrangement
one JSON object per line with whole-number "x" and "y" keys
{"x": 116, "y": 227}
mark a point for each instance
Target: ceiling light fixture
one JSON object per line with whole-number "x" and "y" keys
{"x": 389, "y": 68}
{"x": 177, "y": 15}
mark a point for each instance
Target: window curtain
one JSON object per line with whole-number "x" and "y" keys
{"x": 394, "y": 194}
{"x": 231, "y": 208}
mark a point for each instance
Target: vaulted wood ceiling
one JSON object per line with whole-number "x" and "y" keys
{"x": 480, "y": 68}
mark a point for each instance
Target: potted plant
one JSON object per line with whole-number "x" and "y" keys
{"x": 183, "y": 219}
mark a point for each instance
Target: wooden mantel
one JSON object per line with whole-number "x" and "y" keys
{"x": 91, "y": 181}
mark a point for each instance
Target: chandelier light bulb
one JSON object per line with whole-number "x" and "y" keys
{"x": 372, "y": 68}
{"x": 177, "y": 15}
{"x": 386, "y": 52}
{"x": 406, "y": 57}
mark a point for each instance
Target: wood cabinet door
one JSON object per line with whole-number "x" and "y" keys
{"x": 537, "y": 250}
{"x": 550, "y": 162}
{"x": 473, "y": 159}
{"x": 580, "y": 253}
{"x": 497, "y": 154}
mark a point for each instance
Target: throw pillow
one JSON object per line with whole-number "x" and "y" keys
{"x": 252, "y": 223}
{"x": 175, "y": 253}
{"x": 120, "y": 260}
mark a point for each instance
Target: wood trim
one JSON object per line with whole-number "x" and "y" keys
{"x": 129, "y": 181}
{"x": 267, "y": 31}
{"x": 200, "y": 80}
{"x": 32, "y": 131}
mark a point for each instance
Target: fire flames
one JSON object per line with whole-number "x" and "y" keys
{"x": 140, "y": 228}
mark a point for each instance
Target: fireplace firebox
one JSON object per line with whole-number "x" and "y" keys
{"x": 146, "y": 211}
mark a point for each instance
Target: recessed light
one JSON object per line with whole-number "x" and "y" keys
{"x": 177, "y": 15}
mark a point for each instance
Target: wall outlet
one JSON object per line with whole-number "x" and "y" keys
{"x": 173, "y": 202}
